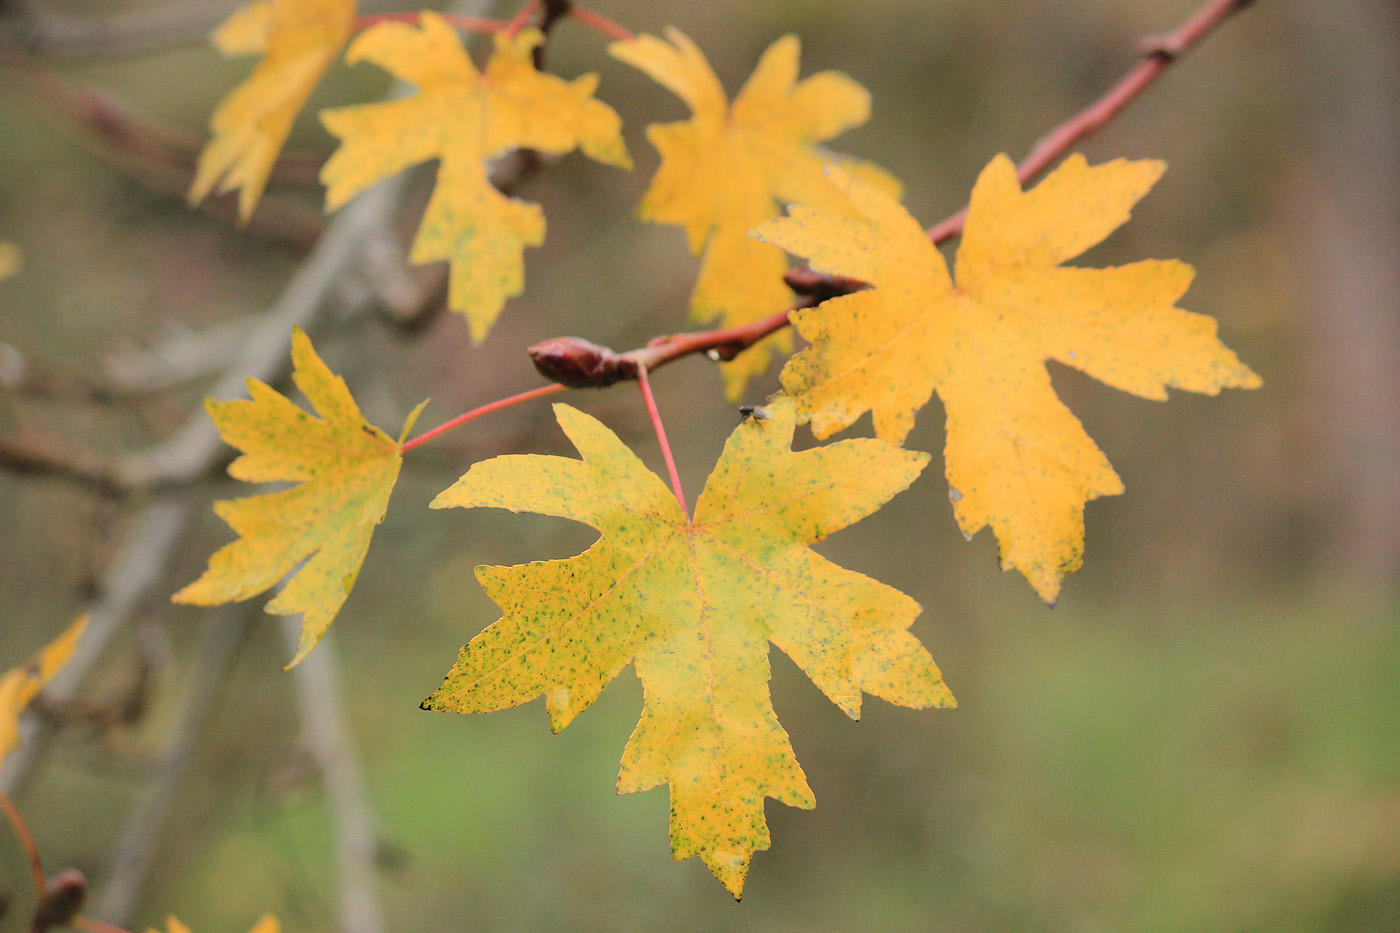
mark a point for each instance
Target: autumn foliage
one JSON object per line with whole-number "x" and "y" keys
{"x": 695, "y": 600}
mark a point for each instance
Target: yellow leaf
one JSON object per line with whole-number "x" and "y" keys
{"x": 695, "y": 605}
{"x": 267, "y": 923}
{"x": 466, "y": 118}
{"x": 726, "y": 169}
{"x": 1017, "y": 459}
{"x": 10, "y": 259}
{"x": 21, "y": 684}
{"x": 346, "y": 469}
{"x": 300, "y": 39}
{"x": 246, "y": 31}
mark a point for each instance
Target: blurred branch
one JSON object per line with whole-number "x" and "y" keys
{"x": 223, "y": 632}
{"x": 46, "y": 31}
{"x": 159, "y": 157}
{"x": 141, "y": 561}
{"x": 323, "y": 285}
{"x": 175, "y": 360}
{"x": 325, "y": 734}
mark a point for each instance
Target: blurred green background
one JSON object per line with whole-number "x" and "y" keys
{"x": 1203, "y": 735}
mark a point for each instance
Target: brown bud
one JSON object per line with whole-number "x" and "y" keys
{"x": 63, "y": 896}
{"x": 579, "y": 364}
{"x": 818, "y": 285}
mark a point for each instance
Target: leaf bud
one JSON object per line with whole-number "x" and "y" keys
{"x": 580, "y": 364}
{"x": 63, "y": 896}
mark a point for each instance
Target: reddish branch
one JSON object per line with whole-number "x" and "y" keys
{"x": 726, "y": 343}
{"x": 1159, "y": 52}
{"x": 26, "y": 842}
{"x": 573, "y": 362}
{"x": 600, "y": 23}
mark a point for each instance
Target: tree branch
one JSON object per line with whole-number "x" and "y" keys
{"x": 203, "y": 683}
{"x": 325, "y": 734}
{"x": 609, "y": 366}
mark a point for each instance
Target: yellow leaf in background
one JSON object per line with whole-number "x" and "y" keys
{"x": 10, "y": 259}
{"x": 21, "y": 684}
{"x": 1017, "y": 459}
{"x": 300, "y": 39}
{"x": 246, "y": 31}
{"x": 266, "y": 924}
{"x": 741, "y": 280}
{"x": 465, "y": 118}
{"x": 695, "y": 604}
{"x": 726, "y": 169}
{"x": 346, "y": 469}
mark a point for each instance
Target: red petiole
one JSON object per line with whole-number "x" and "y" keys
{"x": 475, "y": 413}
{"x": 652, "y": 410}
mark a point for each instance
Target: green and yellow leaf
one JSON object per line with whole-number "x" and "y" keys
{"x": 1017, "y": 458}
{"x": 299, "y": 40}
{"x": 345, "y": 469}
{"x": 20, "y": 685}
{"x": 695, "y": 605}
{"x": 726, "y": 170}
{"x": 466, "y": 118}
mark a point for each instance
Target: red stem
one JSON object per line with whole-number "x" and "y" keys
{"x": 456, "y": 20}
{"x": 26, "y": 842}
{"x": 521, "y": 18}
{"x": 475, "y": 413}
{"x": 1160, "y": 53}
{"x": 600, "y": 23}
{"x": 650, "y": 399}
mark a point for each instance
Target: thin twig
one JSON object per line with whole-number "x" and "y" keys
{"x": 475, "y": 413}
{"x": 600, "y": 23}
{"x": 26, "y": 842}
{"x": 522, "y": 17}
{"x": 652, "y": 410}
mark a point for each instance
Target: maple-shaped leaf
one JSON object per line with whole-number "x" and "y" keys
{"x": 695, "y": 605}
{"x": 267, "y": 923}
{"x": 10, "y": 259}
{"x": 345, "y": 468}
{"x": 300, "y": 39}
{"x": 726, "y": 170}
{"x": 465, "y": 118}
{"x": 1017, "y": 458}
{"x": 21, "y": 684}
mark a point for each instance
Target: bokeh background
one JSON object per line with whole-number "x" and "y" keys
{"x": 1203, "y": 734}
